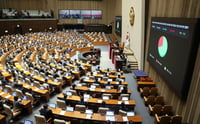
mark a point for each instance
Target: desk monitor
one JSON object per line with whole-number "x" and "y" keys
{"x": 23, "y": 81}
{"x": 109, "y": 80}
{"x": 87, "y": 96}
{"x": 99, "y": 79}
{"x": 92, "y": 86}
{"x": 28, "y": 122}
{"x": 108, "y": 87}
{"x": 69, "y": 93}
{"x": 5, "y": 90}
{"x": 25, "y": 98}
{"x": 87, "y": 78}
{"x": 125, "y": 98}
{"x": 42, "y": 87}
{"x": 79, "y": 84}
{"x": 14, "y": 94}
{"x": 52, "y": 105}
{"x": 70, "y": 109}
{"x": 89, "y": 111}
{"x": 32, "y": 84}
{"x": 105, "y": 98}
{"x": 130, "y": 114}
{"x": 110, "y": 113}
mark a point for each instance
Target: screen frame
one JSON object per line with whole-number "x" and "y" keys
{"x": 192, "y": 52}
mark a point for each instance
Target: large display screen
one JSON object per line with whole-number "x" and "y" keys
{"x": 118, "y": 25}
{"x": 80, "y": 14}
{"x": 172, "y": 50}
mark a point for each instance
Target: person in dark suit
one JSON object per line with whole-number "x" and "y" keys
{"x": 96, "y": 81}
{"x": 64, "y": 98}
{"x": 47, "y": 113}
{"x": 123, "y": 107}
{"x": 17, "y": 104}
{"x": 82, "y": 102}
{"x": 125, "y": 90}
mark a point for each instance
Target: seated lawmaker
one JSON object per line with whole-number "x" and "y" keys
{"x": 17, "y": 104}
{"x": 125, "y": 90}
{"x": 123, "y": 107}
{"x": 47, "y": 113}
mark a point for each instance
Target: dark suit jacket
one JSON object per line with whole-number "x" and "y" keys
{"x": 47, "y": 113}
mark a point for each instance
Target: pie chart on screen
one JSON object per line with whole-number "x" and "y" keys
{"x": 162, "y": 46}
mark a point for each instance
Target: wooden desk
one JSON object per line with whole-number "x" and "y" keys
{"x": 142, "y": 84}
{"x": 3, "y": 119}
{"x": 104, "y": 82}
{"x": 40, "y": 79}
{"x": 26, "y": 103}
{"x": 44, "y": 93}
{"x": 50, "y": 82}
{"x": 66, "y": 115}
{"x": 95, "y": 103}
{"x": 109, "y": 76}
{"x": 100, "y": 91}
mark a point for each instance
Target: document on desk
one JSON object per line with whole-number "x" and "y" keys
{"x": 119, "y": 102}
{"x": 102, "y": 90}
{"x": 8, "y": 96}
{"x": 62, "y": 112}
{"x": 126, "y": 102}
{"x": 91, "y": 89}
{"x": 99, "y": 100}
{"x": 125, "y": 118}
{"x": 111, "y": 118}
{"x": 2, "y": 93}
{"x": 36, "y": 89}
{"x": 88, "y": 116}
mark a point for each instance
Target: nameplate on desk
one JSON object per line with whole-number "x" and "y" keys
{"x": 119, "y": 102}
{"x": 99, "y": 100}
{"x": 2, "y": 93}
{"x": 62, "y": 112}
{"x": 8, "y": 96}
{"x": 126, "y": 102}
{"x": 36, "y": 89}
{"x": 102, "y": 90}
{"x": 88, "y": 116}
{"x": 125, "y": 118}
{"x": 111, "y": 118}
{"x": 92, "y": 89}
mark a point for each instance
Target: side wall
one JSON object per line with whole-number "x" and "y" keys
{"x": 189, "y": 109}
{"x": 136, "y": 32}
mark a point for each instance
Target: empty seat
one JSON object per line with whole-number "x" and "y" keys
{"x": 59, "y": 121}
{"x": 61, "y": 104}
{"x": 19, "y": 93}
{"x": 156, "y": 109}
{"x": 167, "y": 109}
{"x": 9, "y": 89}
{"x": 144, "y": 91}
{"x": 102, "y": 110}
{"x": 162, "y": 119}
{"x": 40, "y": 119}
{"x": 122, "y": 113}
{"x": 159, "y": 100}
{"x": 150, "y": 100}
{"x": 153, "y": 91}
{"x": 10, "y": 112}
{"x": 176, "y": 119}
{"x": 80, "y": 108}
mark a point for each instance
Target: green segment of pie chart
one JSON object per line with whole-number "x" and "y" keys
{"x": 162, "y": 46}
